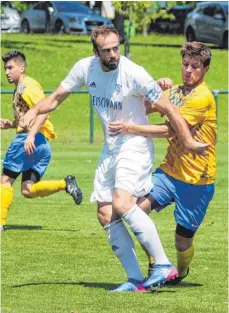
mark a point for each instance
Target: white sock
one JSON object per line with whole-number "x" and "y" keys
{"x": 144, "y": 229}
{"x": 123, "y": 246}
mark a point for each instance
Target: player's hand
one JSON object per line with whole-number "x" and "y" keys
{"x": 5, "y": 123}
{"x": 117, "y": 128}
{"x": 27, "y": 120}
{"x": 165, "y": 83}
{"x": 198, "y": 148}
{"x": 29, "y": 144}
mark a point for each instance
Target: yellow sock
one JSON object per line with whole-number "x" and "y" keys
{"x": 151, "y": 260}
{"x": 184, "y": 259}
{"x": 46, "y": 188}
{"x": 6, "y": 194}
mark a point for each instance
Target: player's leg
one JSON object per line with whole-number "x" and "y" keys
{"x": 134, "y": 178}
{"x": 32, "y": 187}
{"x": 185, "y": 250}
{"x": 146, "y": 233}
{"x": 191, "y": 206}
{"x": 147, "y": 204}
{"x": 36, "y": 165}
{"x": 118, "y": 235}
{"x": 12, "y": 167}
{"x": 140, "y": 223}
{"x": 122, "y": 245}
{"x": 158, "y": 198}
{"x": 6, "y": 193}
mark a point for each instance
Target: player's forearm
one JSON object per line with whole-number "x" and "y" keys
{"x": 49, "y": 103}
{"x": 180, "y": 126}
{"x": 46, "y": 105}
{"x": 176, "y": 120}
{"x": 151, "y": 108}
{"x": 155, "y": 131}
{"x": 40, "y": 120}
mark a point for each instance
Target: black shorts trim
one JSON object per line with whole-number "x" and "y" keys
{"x": 10, "y": 174}
{"x": 184, "y": 232}
{"x": 30, "y": 175}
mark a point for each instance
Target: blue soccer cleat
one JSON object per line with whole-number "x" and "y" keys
{"x": 161, "y": 274}
{"x": 130, "y": 285}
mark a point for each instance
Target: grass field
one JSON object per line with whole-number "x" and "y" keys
{"x": 55, "y": 256}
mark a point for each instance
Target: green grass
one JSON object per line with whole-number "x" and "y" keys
{"x": 55, "y": 257}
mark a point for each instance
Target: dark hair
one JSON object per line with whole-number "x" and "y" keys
{"x": 14, "y": 55}
{"x": 102, "y": 31}
{"x": 197, "y": 50}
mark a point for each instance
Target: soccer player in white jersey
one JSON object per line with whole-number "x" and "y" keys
{"x": 117, "y": 87}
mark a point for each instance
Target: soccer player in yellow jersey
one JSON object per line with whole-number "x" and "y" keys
{"x": 29, "y": 153}
{"x": 184, "y": 178}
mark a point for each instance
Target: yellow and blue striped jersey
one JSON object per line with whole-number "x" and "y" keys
{"x": 198, "y": 108}
{"x": 27, "y": 94}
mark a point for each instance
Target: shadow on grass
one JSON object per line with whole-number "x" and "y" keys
{"x": 182, "y": 285}
{"x": 28, "y": 227}
{"x": 29, "y": 45}
{"x": 106, "y": 286}
{"x": 111, "y": 286}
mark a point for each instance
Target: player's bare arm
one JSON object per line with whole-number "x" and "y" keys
{"x": 155, "y": 131}
{"x": 151, "y": 108}
{"x": 46, "y": 105}
{"x": 29, "y": 143}
{"x": 180, "y": 126}
{"x": 6, "y": 124}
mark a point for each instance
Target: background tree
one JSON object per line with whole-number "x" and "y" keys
{"x": 138, "y": 16}
{"x": 22, "y": 5}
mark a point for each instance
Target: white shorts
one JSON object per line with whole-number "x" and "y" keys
{"x": 128, "y": 170}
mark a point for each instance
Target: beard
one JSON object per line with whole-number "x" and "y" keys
{"x": 110, "y": 65}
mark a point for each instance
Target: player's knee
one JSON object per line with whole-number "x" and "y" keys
{"x": 26, "y": 193}
{"x": 103, "y": 218}
{"x": 182, "y": 245}
{"x": 121, "y": 205}
{"x": 105, "y": 213}
{"x": 184, "y": 238}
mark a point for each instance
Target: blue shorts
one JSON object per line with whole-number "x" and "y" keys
{"x": 17, "y": 160}
{"x": 191, "y": 201}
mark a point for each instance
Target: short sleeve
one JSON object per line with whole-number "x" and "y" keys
{"x": 75, "y": 79}
{"x": 32, "y": 94}
{"x": 147, "y": 86}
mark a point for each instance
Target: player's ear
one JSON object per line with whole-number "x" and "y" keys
{"x": 206, "y": 69}
{"x": 22, "y": 68}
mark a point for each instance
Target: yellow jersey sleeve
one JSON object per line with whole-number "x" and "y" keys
{"x": 32, "y": 94}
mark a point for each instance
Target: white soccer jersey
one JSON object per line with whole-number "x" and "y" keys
{"x": 116, "y": 95}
